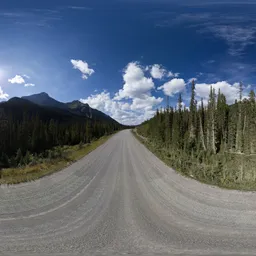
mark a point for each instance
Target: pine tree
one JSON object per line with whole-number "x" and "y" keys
{"x": 201, "y": 124}
{"x": 219, "y": 130}
{"x": 26, "y": 158}
{"x": 180, "y": 122}
{"x": 167, "y": 127}
{"x": 221, "y": 122}
{"x": 19, "y": 157}
{"x": 252, "y": 122}
{"x": 239, "y": 121}
{"x": 192, "y": 117}
{"x": 212, "y": 121}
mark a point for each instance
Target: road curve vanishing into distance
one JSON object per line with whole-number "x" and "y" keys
{"x": 120, "y": 199}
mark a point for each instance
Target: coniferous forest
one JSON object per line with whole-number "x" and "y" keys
{"x": 214, "y": 143}
{"x": 27, "y": 129}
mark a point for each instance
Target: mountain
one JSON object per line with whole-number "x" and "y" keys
{"x": 43, "y": 99}
{"x": 30, "y": 127}
{"x": 16, "y": 107}
{"x": 75, "y": 107}
{"x": 79, "y": 108}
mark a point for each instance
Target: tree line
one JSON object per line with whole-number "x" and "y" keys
{"x": 215, "y": 143}
{"x": 30, "y": 134}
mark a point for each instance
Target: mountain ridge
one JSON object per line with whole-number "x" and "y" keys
{"x": 75, "y": 107}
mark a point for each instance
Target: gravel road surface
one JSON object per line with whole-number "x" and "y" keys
{"x": 122, "y": 200}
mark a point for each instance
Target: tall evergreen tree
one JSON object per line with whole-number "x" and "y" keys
{"x": 192, "y": 117}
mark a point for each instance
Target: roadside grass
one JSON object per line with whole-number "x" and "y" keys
{"x": 229, "y": 176}
{"x": 47, "y": 166}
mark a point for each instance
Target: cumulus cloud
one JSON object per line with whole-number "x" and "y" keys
{"x": 172, "y": 87}
{"x": 19, "y": 79}
{"x": 157, "y": 72}
{"x": 16, "y": 80}
{"x": 136, "y": 85}
{"x": 133, "y": 103}
{"x": 230, "y": 91}
{"x": 3, "y": 96}
{"x": 146, "y": 103}
{"x": 134, "y": 112}
{"x": 83, "y": 67}
{"x": 103, "y": 102}
{"x": 98, "y": 101}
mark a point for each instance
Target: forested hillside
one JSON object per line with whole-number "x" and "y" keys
{"x": 214, "y": 143}
{"x": 75, "y": 107}
{"x": 29, "y": 129}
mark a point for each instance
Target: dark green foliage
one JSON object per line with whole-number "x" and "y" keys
{"x": 214, "y": 143}
{"x": 27, "y": 159}
{"x": 43, "y": 99}
{"x": 4, "y": 161}
{"x": 81, "y": 145}
{"x": 75, "y": 107}
{"x": 19, "y": 157}
{"x": 33, "y": 129}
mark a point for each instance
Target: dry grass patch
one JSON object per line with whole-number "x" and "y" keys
{"x": 46, "y": 166}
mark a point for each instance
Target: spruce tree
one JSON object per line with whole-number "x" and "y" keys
{"x": 192, "y": 117}
{"x": 239, "y": 121}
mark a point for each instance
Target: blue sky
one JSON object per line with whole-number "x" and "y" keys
{"x": 124, "y": 56}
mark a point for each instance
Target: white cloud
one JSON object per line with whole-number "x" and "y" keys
{"x": 16, "y": 80}
{"x": 136, "y": 85}
{"x": 19, "y": 79}
{"x": 192, "y": 79}
{"x": 146, "y": 103}
{"x": 83, "y": 67}
{"x": 80, "y": 8}
{"x": 229, "y": 90}
{"x": 98, "y": 101}
{"x": 125, "y": 106}
{"x": 134, "y": 112}
{"x": 236, "y": 85}
{"x": 205, "y": 102}
{"x": 134, "y": 103}
{"x": 3, "y": 96}
{"x": 157, "y": 72}
{"x": 171, "y": 74}
{"x": 103, "y": 102}
{"x": 248, "y": 87}
{"x": 172, "y": 87}
{"x": 182, "y": 105}
{"x": 26, "y": 76}
{"x": 236, "y": 37}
